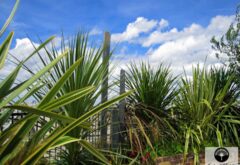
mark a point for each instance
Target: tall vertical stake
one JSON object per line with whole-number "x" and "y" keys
{"x": 104, "y": 97}
{"x": 122, "y": 105}
{"x": 118, "y": 117}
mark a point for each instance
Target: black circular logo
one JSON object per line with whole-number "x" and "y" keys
{"x": 221, "y": 154}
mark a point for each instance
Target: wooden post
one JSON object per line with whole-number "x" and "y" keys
{"x": 118, "y": 116}
{"x": 104, "y": 97}
{"x": 122, "y": 89}
{"x": 122, "y": 105}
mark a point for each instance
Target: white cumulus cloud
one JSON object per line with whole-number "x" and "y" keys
{"x": 217, "y": 26}
{"x": 181, "y": 48}
{"x": 188, "y": 46}
{"x": 134, "y": 29}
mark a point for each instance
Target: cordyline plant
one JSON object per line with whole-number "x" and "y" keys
{"x": 16, "y": 144}
{"x": 148, "y": 115}
{"x": 207, "y": 111}
{"x": 91, "y": 71}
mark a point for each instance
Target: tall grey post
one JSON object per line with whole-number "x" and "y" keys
{"x": 118, "y": 116}
{"x": 104, "y": 97}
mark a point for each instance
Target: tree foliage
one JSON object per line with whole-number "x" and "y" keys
{"x": 229, "y": 44}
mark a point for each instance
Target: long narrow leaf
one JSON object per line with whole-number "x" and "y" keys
{"x": 9, "y": 18}
{"x": 94, "y": 151}
{"x": 7, "y": 83}
{"x": 41, "y": 113}
{"x": 63, "y": 140}
{"x": 67, "y": 98}
{"x": 4, "y": 49}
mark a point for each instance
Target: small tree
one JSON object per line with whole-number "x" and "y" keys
{"x": 229, "y": 44}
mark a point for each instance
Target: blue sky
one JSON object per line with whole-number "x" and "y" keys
{"x": 47, "y": 17}
{"x": 192, "y": 22}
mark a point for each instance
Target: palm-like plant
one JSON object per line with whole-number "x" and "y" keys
{"x": 206, "y": 107}
{"x": 230, "y": 127}
{"x": 91, "y": 71}
{"x": 149, "y": 107}
{"x": 153, "y": 87}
